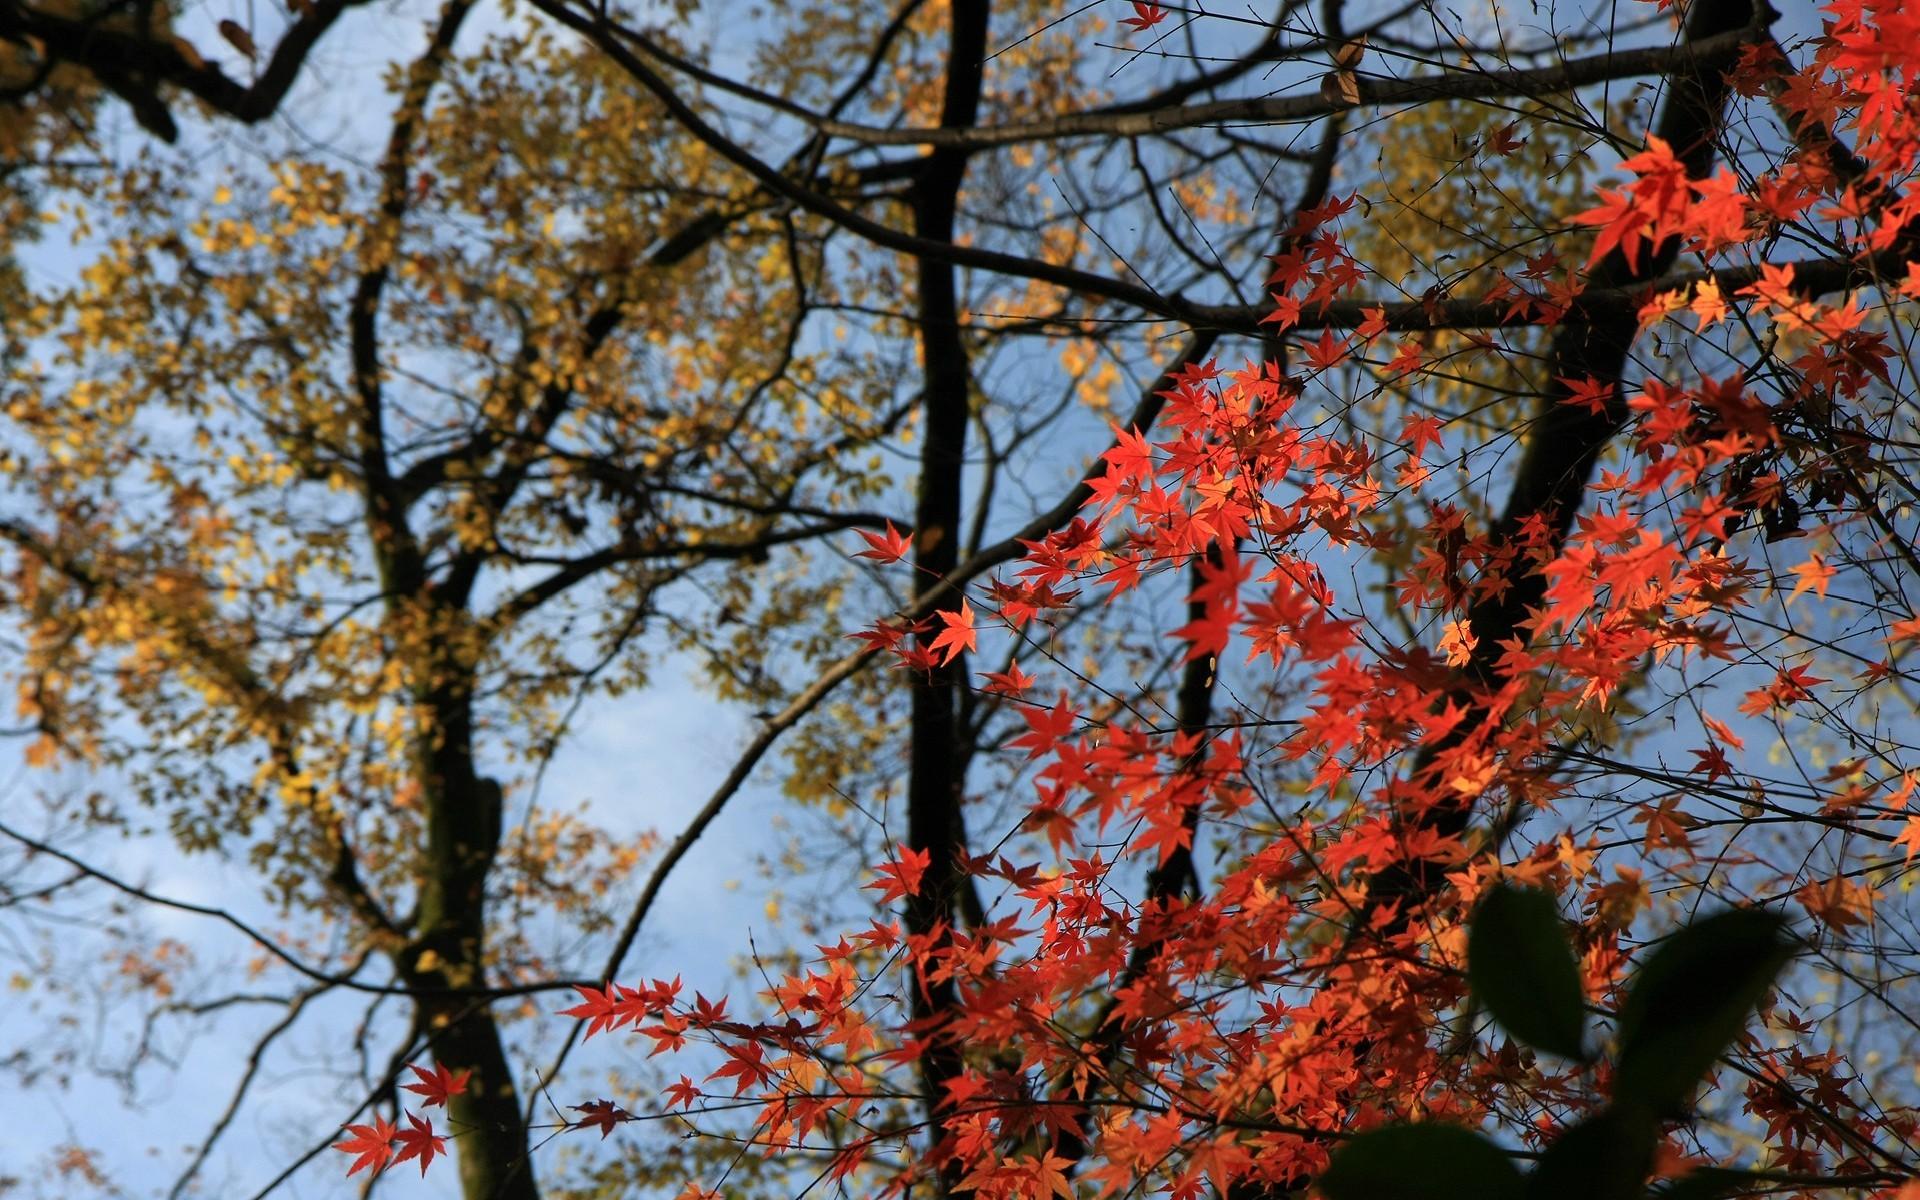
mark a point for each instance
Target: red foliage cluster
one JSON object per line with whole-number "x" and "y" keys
{"x": 1306, "y": 994}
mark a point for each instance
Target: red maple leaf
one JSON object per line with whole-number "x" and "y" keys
{"x": 597, "y": 1007}
{"x": 1326, "y": 353}
{"x": 419, "y": 1141}
{"x": 1010, "y": 682}
{"x": 372, "y": 1143}
{"x": 888, "y": 547}
{"x": 959, "y": 633}
{"x": 1649, "y": 210}
{"x": 1588, "y": 393}
{"x": 920, "y": 658}
{"x": 1420, "y": 431}
{"x": 1145, "y": 16}
{"x": 602, "y": 1115}
{"x": 901, "y": 877}
{"x": 682, "y": 1094}
{"x": 746, "y": 1067}
{"x": 1045, "y": 728}
{"x": 1406, "y": 360}
{"x": 883, "y": 635}
{"x": 436, "y": 1085}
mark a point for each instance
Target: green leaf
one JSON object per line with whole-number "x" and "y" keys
{"x": 1421, "y": 1162}
{"x": 1690, "y": 1002}
{"x": 1521, "y": 966}
{"x": 1605, "y": 1157}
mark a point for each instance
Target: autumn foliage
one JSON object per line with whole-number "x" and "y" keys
{"x": 1110, "y": 1028}
{"x": 1449, "y": 733}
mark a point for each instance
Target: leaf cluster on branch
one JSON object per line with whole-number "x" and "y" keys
{"x": 1305, "y": 549}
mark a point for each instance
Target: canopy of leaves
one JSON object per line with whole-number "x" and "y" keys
{"x": 1358, "y": 525}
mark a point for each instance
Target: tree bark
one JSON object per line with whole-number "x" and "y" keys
{"x": 936, "y": 765}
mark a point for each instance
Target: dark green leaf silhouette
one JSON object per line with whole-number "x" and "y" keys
{"x": 1690, "y": 1002}
{"x": 1605, "y": 1157}
{"x": 1521, "y": 966}
{"x": 1421, "y": 1162}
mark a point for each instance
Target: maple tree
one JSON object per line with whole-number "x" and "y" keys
{"x": 339, "y": 487}
{"x": 1475, "y": 497}
{"x": 1169, "y": 1034}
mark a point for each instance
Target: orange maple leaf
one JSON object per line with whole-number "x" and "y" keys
{"x": 1837, "y": 902}
{"x": 888, "y": 547}
{"x": 1708, "y": 304}
{"x": 1010, "y": 682}
{"x": 958, "y": 635}
{"x": 1909, "y": 837}
{"x": 901, "y": 877}
{"x": 372, "y": 1143}
{"x": 1813, "y": 575}
{"x": 1458, "y": 643}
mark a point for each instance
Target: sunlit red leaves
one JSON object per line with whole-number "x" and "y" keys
{"x": 1649, "y": 209}
{"x": 1419, "y": 431}
{"x": 682, "y": 1093}
{"x": 371, "y": 1145}
{"x": 1407, "y": 359}
{"x": 1663, "y": 202}
{"x": 901, "y": 877}
{"x": 600, "y": 1008}
{"x": 959, "y": 635}
{"x": 1010, "y": 682}
{"x": 1326, "y": 352}
{"x": 1813, "y": 575}
{"x": 1717, "y": 218}
{"x": 1229, "y": 487}
{"x": 1790, "y": 686}
{"x": 1373, "y": 325}
{"x": 616, "y": 1005}
{"x": 746, "y": 1066}
{"x": 382, "y": 1144}
{"x": 888, "y": 547}
{"x": 1019, "y": 604}
{"x": 1020, "y": 1177}
{"x": 1776, "y": 290}
{"x": 1046, "y": 727}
